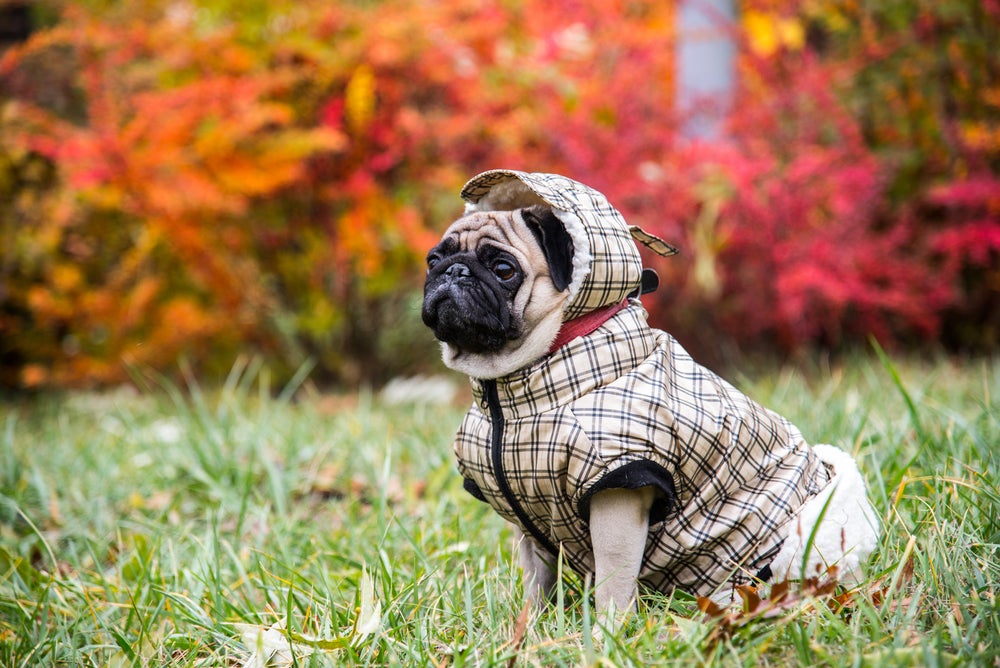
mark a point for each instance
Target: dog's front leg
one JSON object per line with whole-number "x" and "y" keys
{"x": 539, "y": 576}
{"x": 619, "y": 524}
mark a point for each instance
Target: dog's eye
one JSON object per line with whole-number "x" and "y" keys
{"x": 432, "y": 261}
{"x": 503, "y": 270}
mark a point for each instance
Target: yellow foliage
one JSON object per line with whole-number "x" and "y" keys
{"x": 34, "y": 375}
{"x": 139, "y": 300}
{"x": 359, "y": 98}
{"x": 66, "y": 278}
{"x": 768, "y": 32}
{"x": 981, "y": 136}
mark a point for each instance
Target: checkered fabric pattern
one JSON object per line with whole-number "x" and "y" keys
{"x": 616, "y": 266}
{"x": 628, "y": 400}
{"x": 626, "y": 406}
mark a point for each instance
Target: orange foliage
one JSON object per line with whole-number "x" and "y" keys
{"x": 151, "y": 253}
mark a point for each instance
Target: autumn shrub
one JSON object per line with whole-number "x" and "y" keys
{"x": 926, "y": 89}
{"x": 207, "y": 179}
{"x": 206, "y": 201}
{"x": 793, "y": 240}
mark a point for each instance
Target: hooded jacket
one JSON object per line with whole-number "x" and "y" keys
{"x": 625, "y": 406}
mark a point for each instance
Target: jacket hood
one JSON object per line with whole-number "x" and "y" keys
{"x": 606, "y": 262}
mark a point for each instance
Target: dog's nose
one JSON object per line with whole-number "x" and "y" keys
{"x": 457, "y": 270}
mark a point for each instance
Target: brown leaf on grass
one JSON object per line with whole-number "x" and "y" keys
{"x": 55, "y": 516}
{"x": 906, "y": 576}
{"x": 783, "y": 598}
{"x": 520, "y": 632}
{"x": 842, "y": 601}
{"x": 711, "y": 608}
{"x": 362, "y": 489}
{"x": 956, "y": 612}
{"x": 779, "y": 591}
{"x": 876, "y": 597}
{"x": 879, "y": 590}
{"x": 326, "y": 482}
{"x": 751, "y": 599}
{"x": 821, "y": 587}
{"x": 337, "y": 404}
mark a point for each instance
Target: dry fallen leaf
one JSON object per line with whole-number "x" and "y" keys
{"x": 275, "y": 647}
{"x": 782, "y": 598}
{"x": 270, "y": 646}
{"x": 370, "y": 613}
{"x": 520, "y": 632}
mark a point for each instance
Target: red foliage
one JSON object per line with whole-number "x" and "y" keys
{"x": 799, "y": 247}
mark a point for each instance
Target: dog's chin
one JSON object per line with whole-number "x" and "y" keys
{"x": 514, "y": 356}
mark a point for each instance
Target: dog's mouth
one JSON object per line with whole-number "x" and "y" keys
{"x": 474, "y": 324}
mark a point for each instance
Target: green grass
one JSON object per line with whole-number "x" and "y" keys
{"x": 161, "y": 528}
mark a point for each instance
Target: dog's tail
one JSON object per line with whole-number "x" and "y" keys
{"x": 838, "y": 526}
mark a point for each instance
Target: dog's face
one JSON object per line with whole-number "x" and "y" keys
{"x": 495, "y": 289}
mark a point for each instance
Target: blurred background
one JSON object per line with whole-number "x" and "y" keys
{"x": 200, "y": 180}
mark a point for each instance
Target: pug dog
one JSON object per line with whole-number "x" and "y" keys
{"x": 597, "y": 436}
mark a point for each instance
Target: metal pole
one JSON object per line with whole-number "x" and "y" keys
{"x": 705, "y": 66}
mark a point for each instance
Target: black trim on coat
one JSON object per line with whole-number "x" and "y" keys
{"x": 470, "y": 486}
{"x": 633, "y": 475}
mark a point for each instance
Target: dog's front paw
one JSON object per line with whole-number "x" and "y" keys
{"x": 610, "y": 618}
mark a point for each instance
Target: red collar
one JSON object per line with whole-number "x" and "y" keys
{"x": 585, "y": 324}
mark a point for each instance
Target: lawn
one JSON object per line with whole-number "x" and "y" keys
{"x": 218, "y": 527}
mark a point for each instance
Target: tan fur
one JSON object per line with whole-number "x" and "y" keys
{"x": 537, "y": 307}
{"x": 619, "y": 526}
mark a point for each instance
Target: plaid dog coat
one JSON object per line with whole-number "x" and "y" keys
{"x": 625, "y": 406}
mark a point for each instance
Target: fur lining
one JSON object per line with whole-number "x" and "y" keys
{"x": 847, "y": 533}
{"x": 506, "y": 196}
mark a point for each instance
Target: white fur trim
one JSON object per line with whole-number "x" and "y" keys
{"x": 847, "y": 533}
{"x": 506, "y": 196}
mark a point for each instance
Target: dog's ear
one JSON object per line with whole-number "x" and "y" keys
{"x": 555, "y": 241}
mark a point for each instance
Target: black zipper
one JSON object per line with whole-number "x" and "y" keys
{"x": 496, "y": 453}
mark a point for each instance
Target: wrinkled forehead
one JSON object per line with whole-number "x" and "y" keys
{"x": 506, "y": 228}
